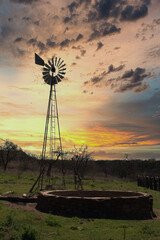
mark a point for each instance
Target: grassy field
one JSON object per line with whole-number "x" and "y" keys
{"x": 16, "y": 224}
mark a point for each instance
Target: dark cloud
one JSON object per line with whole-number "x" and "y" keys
{"x": 157, "y": 21}
{"x": 92, "y": 16}
{"x": 80, "y": 36}
{"x": 111, "y": 68}
{"x": 116, "y": 48}
{"x": 137, "y": 75}
{"x": 99, "y": 45}
{"x": 30, "y": 20}
{"x": 36, "y": 23}
{"x": 131, "y": 13}
{"x": 67, "y": 19}
{"x": 98, "y": 78}
{"x": 132, "y": 80}
{"x": 17, "y": 40}
{"x": 129, "y": 81}
{"x": 135, "y": 87}
{"x": 147, "y": 2}
{"x": 86, "y": 82}
{"x": 105, "y": 9}
{"x": 41, "y": 46}
{"x": 72, "y": 6}
{"x": 24, "y": 1}
{"x": 101, "y": 77}
{"x": 10, "y": 19}
{"x": 142, "y": 87}
{"x": 65, "y": 43}
{"x": 74, "y": 63}
{"x": 85, "y": 2}
{"x": 76, "y": 47}
{"x": 103, "y": 30}
{"x": 76, "y": 4}
{"x": 26, "y": 18}
{"x": 78, "y": 57}
{"x": 51, "y": 43}
{"x": 66, "y": 29}
{"x": 83, "y": 52}
{"x": 128, "y": 74}
{"x": 32, "y": 41}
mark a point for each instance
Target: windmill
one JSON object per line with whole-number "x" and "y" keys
{"x": 53, "y": 72}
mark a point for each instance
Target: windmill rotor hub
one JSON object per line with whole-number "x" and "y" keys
{"x": 53, "y": 68}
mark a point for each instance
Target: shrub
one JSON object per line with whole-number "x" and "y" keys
{"x": 29, "y": 234}
{"x": 9, "y": 220}
{"x": 52, "y": 222}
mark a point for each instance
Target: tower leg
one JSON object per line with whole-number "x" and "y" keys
{"x": 59, "y": 133}
{"x": 42, "y": 167}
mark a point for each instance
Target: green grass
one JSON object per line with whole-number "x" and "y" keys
{"x": 24, "y": 225}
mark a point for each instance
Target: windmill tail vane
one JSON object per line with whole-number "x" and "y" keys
{"x": 52, "y": 72}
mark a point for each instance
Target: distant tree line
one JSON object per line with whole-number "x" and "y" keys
{"x": 77, "y": 163}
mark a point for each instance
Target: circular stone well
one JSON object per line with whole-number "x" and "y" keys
{"x": 98, "y": 204}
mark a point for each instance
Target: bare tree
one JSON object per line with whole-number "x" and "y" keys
{"x": 64, "y": 162}
{"x": 80, "y": 158}
{"x": 8, "y": 152}
{"x": 126, "y": 155}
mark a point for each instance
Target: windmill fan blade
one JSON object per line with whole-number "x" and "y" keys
{"x": 60, "y": 76}
{"x": 46, "y": 69}
{"x": 58, "y": 79}
{"x": 62, "y": 66}
{"x": 54, "y": 80}
{"x": 47, "y": 79}
{"x": 52, "y": 61}
{"x": 39, "y": 60}
{"x": 46, "y": 65}
{"x": 58, "y": 62}
{"x": 62, "y": 69}
{"x": 45, "y": 73}
{"x": 63, "y": 73}
{"x": 49, "y": 62}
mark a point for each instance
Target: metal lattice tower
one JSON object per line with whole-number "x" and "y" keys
{"x": 53, "y": 72}
{"x": 52, "y": 144}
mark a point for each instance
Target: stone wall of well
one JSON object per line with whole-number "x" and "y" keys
{"x": 99, "y": 204}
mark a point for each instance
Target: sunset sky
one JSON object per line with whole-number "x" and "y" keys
{"x": 110, "y": 96}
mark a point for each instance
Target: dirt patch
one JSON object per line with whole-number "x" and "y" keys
{"x": 31, "y": 207}
{"x": 19, "y": 198}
